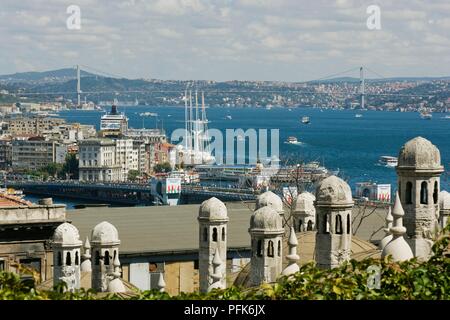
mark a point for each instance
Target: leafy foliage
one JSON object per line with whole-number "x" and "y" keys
{"x": 132, "y": 175}
{"x": 162, "y": 167}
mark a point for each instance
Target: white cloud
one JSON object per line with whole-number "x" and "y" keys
{"x": 254, "y": 39}
{"x": 168, "y": 33}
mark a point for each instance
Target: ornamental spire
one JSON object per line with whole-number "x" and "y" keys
{"x": 398, "y": 248}
{"x": 292, "y": 257}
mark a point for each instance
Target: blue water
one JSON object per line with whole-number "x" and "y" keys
{"x": 334, "y": 137}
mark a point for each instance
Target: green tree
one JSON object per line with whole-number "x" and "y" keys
{"x": 133, "y": 174}
{"x": 162, "y": 167}
{"x": 70, "y": 167}
{"x": 52, "y": 169}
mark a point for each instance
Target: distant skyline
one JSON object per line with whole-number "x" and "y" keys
{"x": 280, "y": 40}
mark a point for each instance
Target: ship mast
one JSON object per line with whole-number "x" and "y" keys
{"x": 196, "y": 135}
{"x": 190, "y": 119}
{"x": 185, "y": 120}
{"x": 205, "y": 125}
{"x": 361, "y": 79}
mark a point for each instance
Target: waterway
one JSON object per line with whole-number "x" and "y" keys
{"x": 336, "y": 138}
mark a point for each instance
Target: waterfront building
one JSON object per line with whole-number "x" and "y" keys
{"x": 373, "y": 191}
{"x": 32, "y": 126}
{"x": 5, "y": 153}
{"x": 151, "y": 146}
{"x": 76, "y": 131}
{"x": 33, "y": 153}
{"x": 126, "y": 156}
{"x": 149, "y": 136}
{"x": 97, "y": 161}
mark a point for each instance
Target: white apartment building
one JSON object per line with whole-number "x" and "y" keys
{"x": 97, "y": 161}
{"x": 126, "y": 156}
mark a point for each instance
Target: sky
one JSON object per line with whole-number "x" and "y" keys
{"x": 279, "y": 40}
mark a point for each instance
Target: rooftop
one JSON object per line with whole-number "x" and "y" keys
{"x": 174, "y": 229}
{"x": 162, "y": 228}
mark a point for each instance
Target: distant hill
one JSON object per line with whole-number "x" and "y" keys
{"x": 52, "y": 75}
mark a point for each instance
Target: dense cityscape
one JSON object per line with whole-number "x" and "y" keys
{"x": 395, "y": 94}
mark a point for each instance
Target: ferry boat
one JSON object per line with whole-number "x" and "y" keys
{"x": 388, "y": 161}
{"x": 306, "y": 120}
{"x": 292, "y": 140}
{"x": 225, "y": 172}
{"x": 185, "y": 176}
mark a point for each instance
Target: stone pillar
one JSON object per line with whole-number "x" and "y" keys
{"x": 213, "y": 219}
{"x": 334, "y": 212}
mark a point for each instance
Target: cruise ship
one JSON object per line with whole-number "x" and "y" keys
{"x": 388, "y": 161}
{"x": 114, "y": 121}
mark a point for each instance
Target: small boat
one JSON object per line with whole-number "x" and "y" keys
{"x": 292, "y": 140}
{"x": 306, "y": 120}
{"x": 269, "y": 107}
{"x": 358, "y": 115}
{"x": 229, "y": 117}
{"x": 426, "y": 115}
{"x": 148, "y": 114}
{"x": 388, "y": 161}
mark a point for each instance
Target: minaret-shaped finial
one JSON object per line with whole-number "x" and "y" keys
{"x": 161, "y": 283}
{"x": 86, "y": 265}
{"x": 217, "y": 275}
{"x": 387, "y": 231}
{"x": 398, "y": 229}
{"x": 292, "y": 257}
{"x": 116, "y": 284}
{"x": 116, "y": 272}
{"x": 398, "y": 248}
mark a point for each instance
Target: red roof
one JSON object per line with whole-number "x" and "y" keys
{"x": 12, "y": 201}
